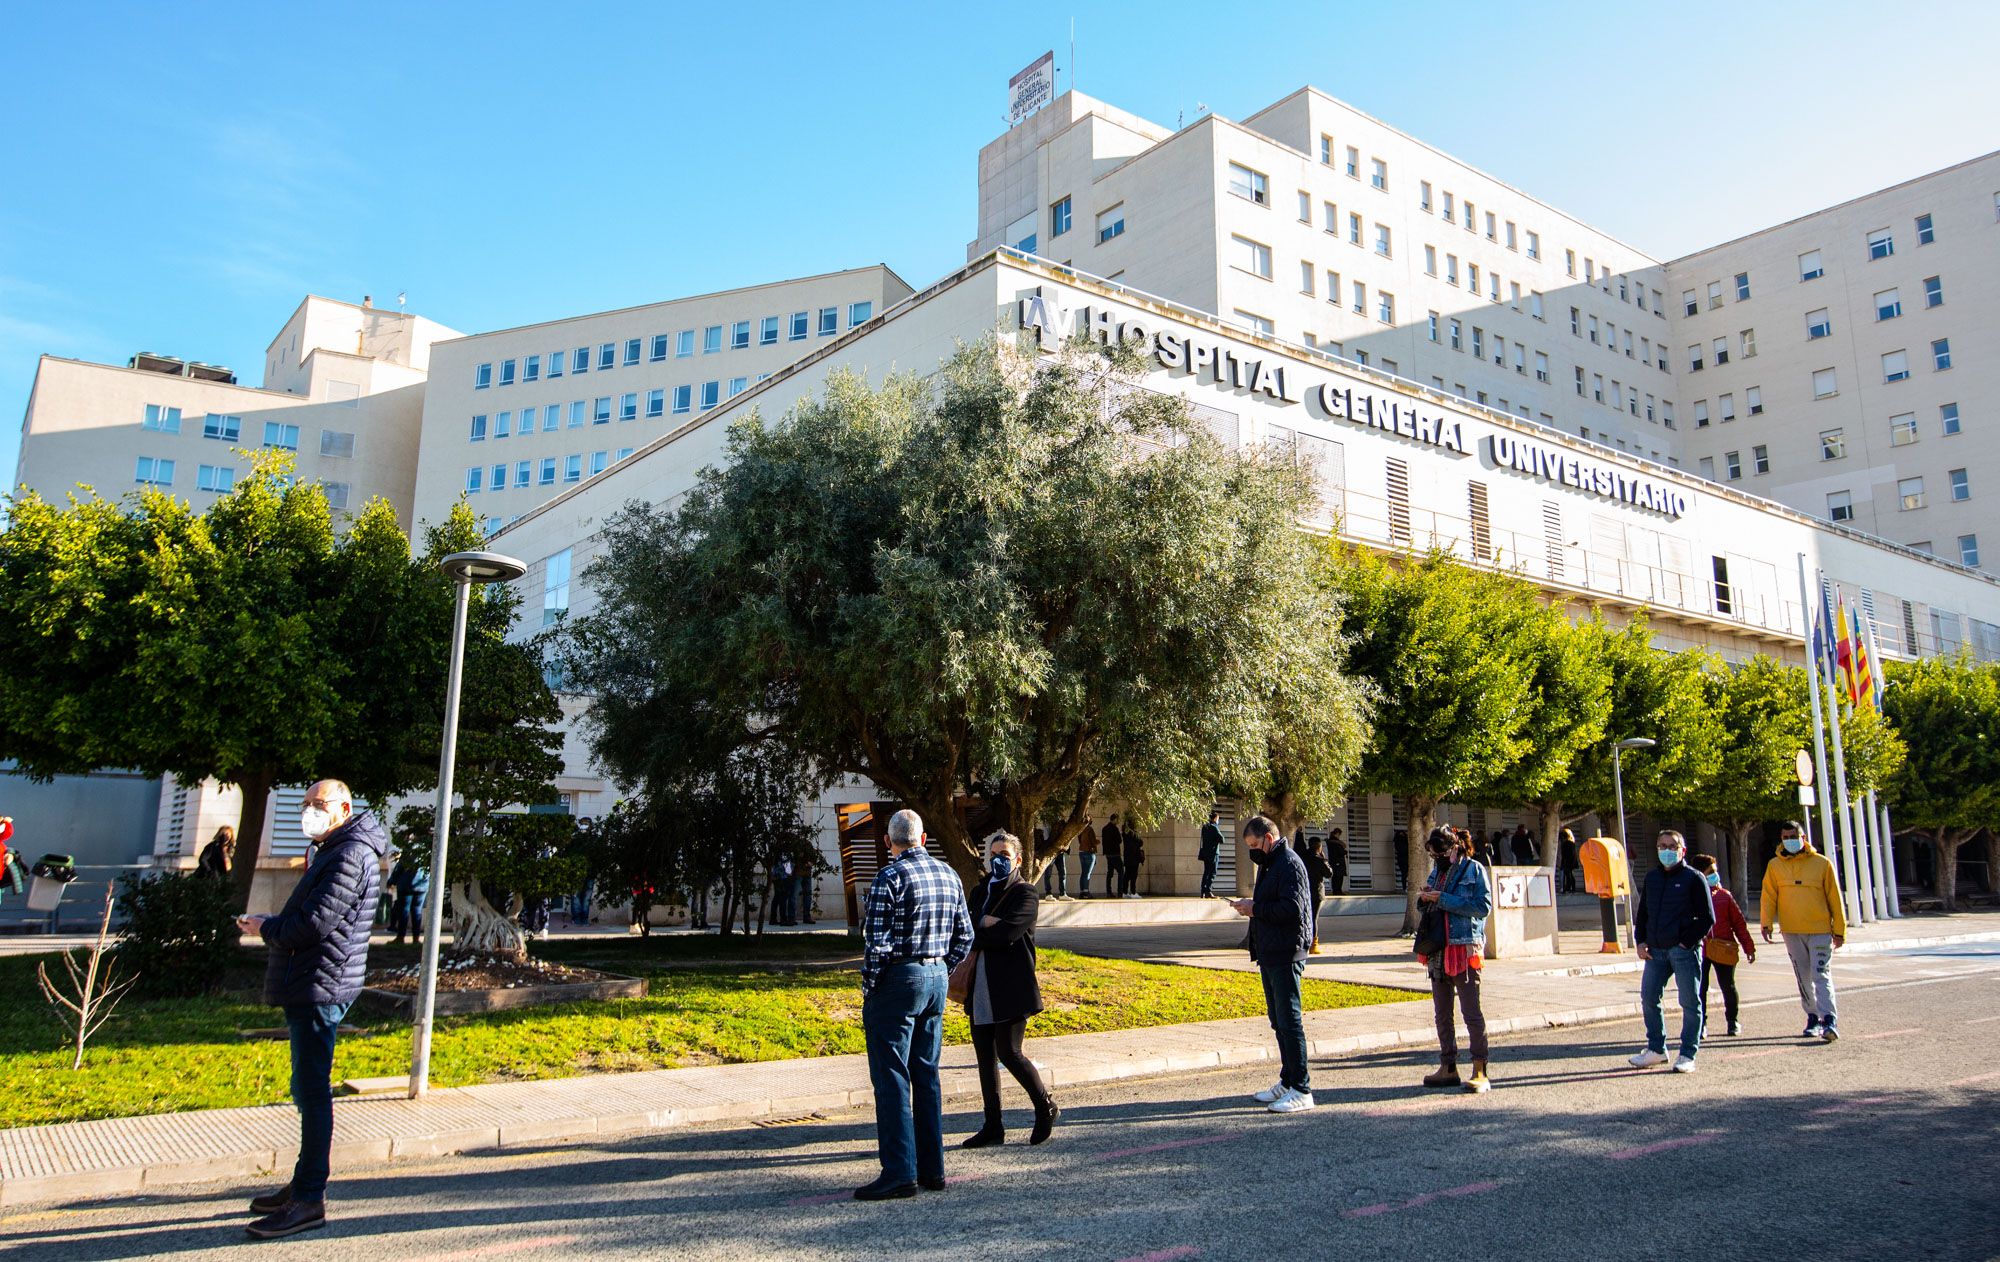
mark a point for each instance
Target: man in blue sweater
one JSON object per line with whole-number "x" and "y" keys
{"x": 1675, "y": 914}
{"x": 1280, "y": 912}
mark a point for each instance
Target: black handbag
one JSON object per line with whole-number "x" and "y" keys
{"x": 1433, "y": 928}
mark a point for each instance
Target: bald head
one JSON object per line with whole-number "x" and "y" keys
{"x": 328, "y": 805}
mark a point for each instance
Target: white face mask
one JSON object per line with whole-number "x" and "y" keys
{"x": 315, "y": 822}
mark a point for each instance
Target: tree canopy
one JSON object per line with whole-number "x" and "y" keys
{"x": 1947, "y": 710}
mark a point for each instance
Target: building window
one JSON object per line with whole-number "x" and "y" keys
{"x": 1968, "y": 550}
{"x": 656, "y": 403}
{"x": 482, "y": 377}
{"x": 684, "y": 344}
{"x": 1535, "y": 303}
{"x": 1251, "y": 185}
{"x": 1360, "y": 298}
{"x": 1458, "y": 338}
{"x": 503, "y": 424}
{"x": 1250, "y": 256}
{"x": 579, "y": 412}
{"x": 226, "y": 428}
{"x": 211, "y": 477}
{"x": 1110, "y": 223}
{"x": 580, "y": 362}
{"x": 711, "y": 394}
{"x": 1353, "y": 229}
{"x": 339, "y": 445}
{"x": 1903, "y": 429}
{"x": 1059, "y": 218}
{"x": 1541, "y": 367}
{"x": 546, "y": 475}
{"x": 1824, "y": 384}
{"x": 1732, "y": 465}
{"x": 1961, "y": 488}
{"x": 829, "y": 321}
{"x": 474, "y": 477}
{"x": 556, "y": 364}
{"x": 1308, "y": 274}
{"x": 739, "y": 336}
{"x": 1818, "y": 324}
{"x": 572, "y": 469}
{"x": 1424, "y": 197}
{"x": 531, "y": 368}
{"x": 1742, "y": 286}
{"x": 1701, "y": 413}
{"x": 1325, "y": 150}
{"x": 499, "y": 477}
{"x": 1714, "y": 294}
{"x": 599, "y": 461}
{"x": 153, "y": 471}
{"x": 1353, "y": 162}
{"x": 1448, "y": 207}
{"x": 1694, "y": 357}
{"x": 551, "y": 418}
{"x": 278, "y": 434}
{"x": 523, "y": 472}
{"x": 1451, "y": 276}
{"x": 633, "y": 347}
{"x": 859, "y": 313}
{"x": 628, "y": 407}
{"x": 711, "y": 340}
{"x": 801, "y": 326}
{"x": 1941, "y": 354}
{"x": 1478, "y": 342}
{"x": 659, "y": 348}
{"x": 1753, "y": 400}
{"x": 1721, "y": 351}
{"x": 166, "y": 420}
{"x": 1330, "y": 217}
{"x": 1840, "y": 506}
{"x": 1895, "y": 366}
{"x": 1725, "y": 407}
{"x": 683, "y": 400}
{"x": 1747, "y": 342}
{"x": 1534, "y": 245}
{"x": 1832, "y": 444}
{"x": 1251, "y": 320}
{"x": 607, "y": 356}
{"x": 1333, "y": 286}
{"x": 1948, "y": 418}
{"x": 1378, "y": 174}
{"x": 1810, "y": 267}
{"x": 737, "y": 385}
{"x": 1910, "y": 493}
{"x": 1382, "y": 240}
{"x": 555, "y": 587}
{"x": 1926, "y": 233}
{"x": 1760, "y": 459}
{"x": 1431, "y": 323}
{"x": 1385, "y": 306}
{"x": 1888, "y": 304}
{"x": 767, "y": 331}
{"x": 600, "y": 410}
{"x": 1881, "y": 244}
{"x": 1706, "y": 464}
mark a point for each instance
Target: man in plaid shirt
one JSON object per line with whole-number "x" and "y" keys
{"x": 915, "y": 932}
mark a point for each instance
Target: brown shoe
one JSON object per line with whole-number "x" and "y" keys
{"x": 1478, "y": 1084}
{"x": 1445, "y": 1076}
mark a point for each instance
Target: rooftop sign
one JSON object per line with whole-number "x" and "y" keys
{"x": 1032, "y": 88}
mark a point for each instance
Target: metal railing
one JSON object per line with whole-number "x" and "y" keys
{"x": 81, "y": 905}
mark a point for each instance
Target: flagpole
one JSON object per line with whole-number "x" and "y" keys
{"x": 1864, "y": 864}
{"x": 1820, "y": 777}
{"x": 1855, "y": 911}
{"x": 1888, "y": 898}
{"x": 1865, "y": 667}
{"x": 1889, "y": 835}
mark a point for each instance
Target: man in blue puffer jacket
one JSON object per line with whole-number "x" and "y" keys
{"x": 319, "y": 956}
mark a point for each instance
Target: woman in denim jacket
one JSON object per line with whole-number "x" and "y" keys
{"x": 1458, "y": 887}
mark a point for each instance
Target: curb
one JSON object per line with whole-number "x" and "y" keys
{"x": 1852, "y": 948}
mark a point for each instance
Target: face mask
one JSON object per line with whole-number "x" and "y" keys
{"x": 1794, "y": 844}
{"x": 1669, "y": 858}
{"x": 315, "y": 821}
{"x": 1714, "y": 880}
{"x": 1001, "y": 867}
{"x": 1260, "y": 857}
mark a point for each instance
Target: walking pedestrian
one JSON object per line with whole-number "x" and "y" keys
{"x": 1453, "y": 954}
{"x": 1135, "y": 858}
{"x": 1279, "y": 934}
{"x": 1674, "y": 917}
{"x": 915, "y": 932}
{"x": 218, "y": 854}
{"x": 318, "y": 957}
{"x": 1566, "y": 858}
{"x": 1210, "y": 853}
{"x": 1802, "y": 895}
{"x": 1316, "y": 875}
{"x": 1005, "y": 992}
{"x": 1086, "y": 856}
{"x": 1112, "y": 842}
{"x": 1727, "y": 943}
{"x": 1399, "y": 845}
{"x": 409, "y": 882}
{"x": 1336, "y": 863}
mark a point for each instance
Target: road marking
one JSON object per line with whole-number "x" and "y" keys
{"x": 1174, "y": 1254}
{"x": 1850, "y": 1105}
{"x": 1982, "y": 1020}
{"x": 1889, "y": 1034}
{"x": 1168, "y": 1146}
{"x": 497, "y": 1250}
{"x": 1966, "y": 1082}
{"x": 1665, "y": 1145}
{"x": 1415, "y": 1202}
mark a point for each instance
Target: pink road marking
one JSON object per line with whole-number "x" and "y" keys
{"x": 1768, "y": 1051}
{"x": 1849, "y": 1105}
{"x": 1966, "y": 1082}
{"x": 496, "y": 1250}
{"x": 1982, "y": 1020}
{"x": 1168, "y": 1146}
{"x": 1647, "y": 1150}
{"x": 828, "y": 1198}
{"x": 1174, "y": 1254}
{"x": 1415, "y": 1202}
{"x": 1889, "y": 1034}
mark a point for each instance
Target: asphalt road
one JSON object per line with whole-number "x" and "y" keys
{"x": 1884, "y": 1145}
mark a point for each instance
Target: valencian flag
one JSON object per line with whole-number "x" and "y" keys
{"x": 1844, "y": 651}
{"x": 1866, "y": 688}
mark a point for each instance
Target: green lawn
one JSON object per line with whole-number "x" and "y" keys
{"x": 162, "y": 1056}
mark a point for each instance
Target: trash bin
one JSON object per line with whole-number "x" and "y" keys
{"x": 51, "y": 873}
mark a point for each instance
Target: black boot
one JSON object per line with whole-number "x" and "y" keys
{"x": 1045, "y": 1123}
{"x": 986, "y": 1136}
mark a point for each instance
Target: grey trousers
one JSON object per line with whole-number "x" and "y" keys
{"x": 1812, "y": 965}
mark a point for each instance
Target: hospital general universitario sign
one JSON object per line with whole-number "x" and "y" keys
{"x": 1285, "y": 382}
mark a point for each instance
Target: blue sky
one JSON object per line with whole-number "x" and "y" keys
{"x": 177, "y": 177}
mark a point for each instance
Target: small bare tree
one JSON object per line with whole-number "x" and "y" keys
{"x": 95, "y": 988}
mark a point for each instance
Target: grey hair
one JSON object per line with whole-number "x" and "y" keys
{"x": 1669, "y": 835}
{"x": 1002, "y": 837}
{"x": 906, "y": 828}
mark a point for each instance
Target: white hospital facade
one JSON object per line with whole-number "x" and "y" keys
{"x": 1465, "y": 366}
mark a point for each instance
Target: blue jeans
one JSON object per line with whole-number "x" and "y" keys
{"x": 1288, "y": 1019}
{"x": 313, "y": 1028}
{"x": 1208, "y": 867}
{"x": 579, "y": 904}
{"x": 1058, "y": 871}
{"x": 1684, "y": 964}
{"x": 903, "y": 1019}
{"x": 1087, "y": 863}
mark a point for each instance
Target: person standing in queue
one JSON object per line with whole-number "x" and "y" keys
{"x": 915, "y": 932}
{"x": 1336, "y": 863}
{"x": 1005, "y": 992}
{"x": 1316, "y": 874}
{"x": 1112, "y": 842}
{"x": 1458, "y": 890}
{"x": 1210, "y": 853}
{"x": 1086, "y": 856}
{"x": 1135, "y": 858}
{"x": 1727, "y": 943}
{"x": 218, "y": 854}
{"x": 1279, "y": 935}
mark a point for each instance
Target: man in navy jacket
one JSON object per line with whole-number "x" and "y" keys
{"x": 319, "y": 956}
{"x": 1280, "y": 912}
{"x": 1675, "y": 914}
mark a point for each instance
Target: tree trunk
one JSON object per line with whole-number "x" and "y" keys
{"x": 1423, "y": 815}
{"x": 1944, "y": 850}
{"x": 1738, "y": 877}
{"x": 480, "y": 928}
{"x": 256, "y": 791}
{"x": 1551, "y": 813}
{"x": 1992, "y": 861}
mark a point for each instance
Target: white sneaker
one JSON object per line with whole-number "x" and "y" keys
{"x": 1683, "y": 1064}
{"x": 1647, "y": 1058}
{"x": 1292, "y": 1102}
{"x": 1270, "y": 1094}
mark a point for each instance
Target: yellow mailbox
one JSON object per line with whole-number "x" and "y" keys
{"x": 1604, "y": 868}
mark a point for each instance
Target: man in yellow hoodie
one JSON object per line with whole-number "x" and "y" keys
{"x": 1802, "y": 894}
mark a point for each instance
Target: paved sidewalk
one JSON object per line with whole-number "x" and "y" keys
{"x": 79, "y": 1160}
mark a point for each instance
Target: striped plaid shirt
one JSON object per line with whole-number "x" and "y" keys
{"x": 916, "y": 911}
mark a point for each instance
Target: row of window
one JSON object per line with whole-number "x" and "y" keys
{"x": 1651, "y": 354}
{"x": 1725, "y": 405}
{"x": 524, "y": 473}
{"x": 223, "y": 427}
{"x": 1881, "y": 244}
{"x": 1623, "y": 398}
{"x": 599, "y": 411}
{"x": 638, "y": 350}
{"x": 1902, "y": 431}
{"x": 1110, "y": 223}
{"x": 221, "y": 479}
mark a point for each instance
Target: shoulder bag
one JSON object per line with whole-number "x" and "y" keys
{"x": 1433, "y": 927}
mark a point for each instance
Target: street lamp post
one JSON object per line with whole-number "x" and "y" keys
{"x": 1618, "y": 789}
{"x": 463, "y": 569}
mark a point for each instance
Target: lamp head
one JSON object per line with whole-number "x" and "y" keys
{"x": 482, "y": 567}
{"x": 1637, "y": 742}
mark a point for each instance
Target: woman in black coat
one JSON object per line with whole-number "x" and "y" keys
{"x": 1004, "y": 990}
